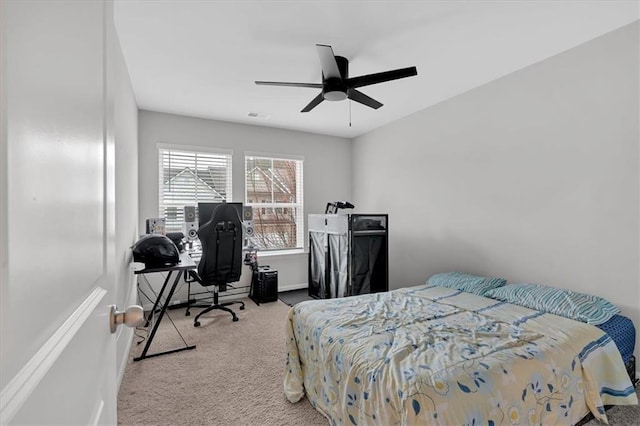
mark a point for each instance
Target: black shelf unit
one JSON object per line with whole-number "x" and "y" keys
{"x": 348, "y": 254}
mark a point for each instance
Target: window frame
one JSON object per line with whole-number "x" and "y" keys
{"x": 190, "y": 149}
{"x": 298, "y": 205}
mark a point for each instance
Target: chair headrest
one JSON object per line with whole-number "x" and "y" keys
{"x": 224, "y": 215}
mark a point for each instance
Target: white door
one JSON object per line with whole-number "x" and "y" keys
{"x": 56, "y": 204}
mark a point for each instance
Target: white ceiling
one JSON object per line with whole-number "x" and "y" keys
{"x": 201, "y": 58}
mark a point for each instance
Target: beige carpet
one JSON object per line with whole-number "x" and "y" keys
{"x": 233, "y": 377}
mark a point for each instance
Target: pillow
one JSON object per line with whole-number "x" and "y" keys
{"x": 570, "y": 304}
{"x": 466, "y": 282}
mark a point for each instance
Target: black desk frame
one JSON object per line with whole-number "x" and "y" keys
{"x": 186, "y": 263}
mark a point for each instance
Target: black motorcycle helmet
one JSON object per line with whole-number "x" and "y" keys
{"x": 155, "y": 251}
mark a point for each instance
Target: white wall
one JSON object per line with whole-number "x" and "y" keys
{"x": 125, "y": 132}
{"x": 532, "y": 177}
{"x": 327, "y": 176}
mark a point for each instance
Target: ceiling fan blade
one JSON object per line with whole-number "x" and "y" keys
{"x": 314, "y": 103}
{"x": 278, "y": 83}
{"x": 381, "y": 77}
{"x": 328, "y": 62}
{"x": 356, "y": 95}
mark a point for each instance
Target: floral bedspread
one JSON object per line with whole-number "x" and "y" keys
{"x": 438, "y": 356}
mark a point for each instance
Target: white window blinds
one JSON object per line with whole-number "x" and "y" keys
{"x": 273, "y": 187}
{"x": 188, "y": 177}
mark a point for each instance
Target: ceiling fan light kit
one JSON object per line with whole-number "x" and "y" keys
{"x": 336, "y": 84}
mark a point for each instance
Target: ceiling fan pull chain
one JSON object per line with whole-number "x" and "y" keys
{"x": 349, "y": 112}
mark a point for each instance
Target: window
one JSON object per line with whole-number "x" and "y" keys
{"x": 273, "y": 187}
{"x": 188, "y": 177}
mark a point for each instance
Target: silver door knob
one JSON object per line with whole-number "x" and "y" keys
{"x": 132, "y": 317}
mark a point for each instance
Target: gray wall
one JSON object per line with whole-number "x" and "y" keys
{"x": 125, "y": 133}
{"x": 327, "y": 162}
{"x": 532, "y": 177}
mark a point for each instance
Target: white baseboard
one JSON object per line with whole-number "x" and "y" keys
{"x": 292, "y": 287}
{"x": 127, "y": 334}
{"x": 149, "y": 306}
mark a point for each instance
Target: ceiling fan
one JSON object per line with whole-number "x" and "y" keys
{"x": 336, "y": 84}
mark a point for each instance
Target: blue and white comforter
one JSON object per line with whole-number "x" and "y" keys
{"x": 432, "y": 355}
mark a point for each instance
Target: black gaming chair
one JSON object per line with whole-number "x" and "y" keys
{"x": 221, "y": 261}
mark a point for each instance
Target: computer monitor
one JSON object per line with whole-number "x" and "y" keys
{"x": 205, "y": 210}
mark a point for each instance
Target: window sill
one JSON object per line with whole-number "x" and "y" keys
{"x": 279, "y": 253}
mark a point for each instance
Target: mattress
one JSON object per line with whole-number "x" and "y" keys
{"x": 623, "y": 333}
{"x": 449, "y": 357}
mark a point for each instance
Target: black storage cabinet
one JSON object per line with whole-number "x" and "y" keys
{"x": 348, "y": 254}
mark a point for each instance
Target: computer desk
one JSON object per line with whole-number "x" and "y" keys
{"x": 186, "y": 263}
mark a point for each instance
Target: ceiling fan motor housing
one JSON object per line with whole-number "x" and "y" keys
{"x": 335, "y": 89}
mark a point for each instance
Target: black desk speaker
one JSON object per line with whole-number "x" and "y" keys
{"x": 264, "y": 285}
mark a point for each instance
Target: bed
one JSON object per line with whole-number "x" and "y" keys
{"x": 437, "y": 355}
{"x": 623, "y": 334}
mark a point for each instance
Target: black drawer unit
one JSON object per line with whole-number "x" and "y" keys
{"x": 264, "y": 285}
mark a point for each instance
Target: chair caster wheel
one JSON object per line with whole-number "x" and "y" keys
{"x": 235, "y": 319}
{"x": 242, "y": 308}
{"x": 187, "y": 314}
{"x": 196, "y": 324}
